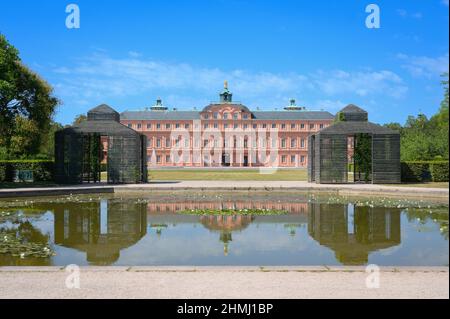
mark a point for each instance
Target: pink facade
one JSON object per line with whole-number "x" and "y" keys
{"x": 227, "y": 134}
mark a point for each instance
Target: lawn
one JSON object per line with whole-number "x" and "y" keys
{"x": 227, "y": 175}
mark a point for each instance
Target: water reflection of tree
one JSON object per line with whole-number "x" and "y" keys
{"x": 424, "y": 216}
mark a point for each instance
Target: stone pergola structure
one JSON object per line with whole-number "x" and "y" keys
{"x": 330, "y": 149}
{"x": 80, "y": 149}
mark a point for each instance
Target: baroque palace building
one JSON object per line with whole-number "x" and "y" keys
{"x": 227, "y": 133}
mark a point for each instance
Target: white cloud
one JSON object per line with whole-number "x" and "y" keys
{"x": 422, "y": 66}
{"x": 361, "y": 83}
{"x": 100, "y": 78}
{"x": 405, "y": 14}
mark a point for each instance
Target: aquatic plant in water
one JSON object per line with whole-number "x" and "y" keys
{"x": 24, "y": 241}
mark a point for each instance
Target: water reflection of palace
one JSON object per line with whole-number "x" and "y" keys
{"x": 274, "y": 205}
{"x": 354, "y": 232}
{"x": 101, "y": 229}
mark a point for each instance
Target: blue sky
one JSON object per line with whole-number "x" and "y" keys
{"x": 128, "y": 53}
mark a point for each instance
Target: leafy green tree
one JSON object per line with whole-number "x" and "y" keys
{"x": 47, "y": 149}
{"x": 363, "y": 156}
{"x": 423, "y": 138}
{"x": 26, "y": 102}
{"x": 80, "y": 118}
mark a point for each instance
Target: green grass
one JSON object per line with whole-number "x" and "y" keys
{"x": 226, "y": 175}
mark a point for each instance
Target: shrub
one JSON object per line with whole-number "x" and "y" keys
{"x": 423, "y": 171}
{"x": 439, "y": 171}
{"x": 42, "y": 169}
{"x": 416, "y": 171}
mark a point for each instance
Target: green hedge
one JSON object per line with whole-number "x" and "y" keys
{"x": 42, "y": 169}
{"x": 439, "y": 171}
{"x": 425, "y": 171}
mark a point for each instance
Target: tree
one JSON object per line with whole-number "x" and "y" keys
{"x": 47, "y": 149}
{"x": 80, "y": 118}
{"x": 26, "y": 102}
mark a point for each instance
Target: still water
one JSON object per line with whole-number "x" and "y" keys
{"x": 151, "y": 230}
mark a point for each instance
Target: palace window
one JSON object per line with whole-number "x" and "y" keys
{"x": 177, "y": 125}
{"x": 216, "y": 125}
{"x": 255, "y": 126}
{"x": 225, "y": 126}
{"x": 235, "y": 116}
{"x": 293, "y": 159}
{"x": 264, "y": 125}
{"x": 158, "y": 158}
{"x": 206, "y": 116}
{"x": 245, "y": 116}
{"x": 321, "y": 126}
{"x": 130, "y": 125}
{"x": 149, "y": 126}
{"x": 283, "y": 159}
{"x": 292, "y": 126}
{"x": 302, "y": 159}
{"x": 245, "y": 126}
{"x": 302, "y": 126}
{"x": 283, "y": 126}
{"x": 158, "y": 126}
{"x": 205, "y": 143}
{"x": 186, "y": 126}
{"x": 205, "y": 126}
{"x": 302, "y": 143}
{"x": 186, "y": 142}
{"x": 167, "y": 158}
{"x": 149, "y": 142}
{"x": 235, "y": 126}
{"x": 167, "y": 142}
{"x": 167, "y": 126}
{"x": 225, "y": 116}
{"x": 311, "y": 126}
{"x": 216, "y": 115}
{"x": 274, "y": 125}
{"x": 283, "y": 142}
{"x": 158, "y": 143}
{"x": 139, "y": 126}
{"x": 293, "y": 142}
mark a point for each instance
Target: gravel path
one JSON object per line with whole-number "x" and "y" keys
{"x": 224, "y": 282}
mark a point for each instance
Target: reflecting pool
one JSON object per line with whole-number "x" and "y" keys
{"x": 157, "y": 229}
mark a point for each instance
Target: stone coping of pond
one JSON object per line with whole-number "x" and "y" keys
{"x": 319, "y": 268}
{"x": 341, "y": 189}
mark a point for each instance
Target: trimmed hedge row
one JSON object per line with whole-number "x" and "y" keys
{"x": 424, "y": 171}
{"x": 42, "y": 169}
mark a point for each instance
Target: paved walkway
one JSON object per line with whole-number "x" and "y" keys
{"x": 224, "y": 282}
{"x": 346, "y": 189}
